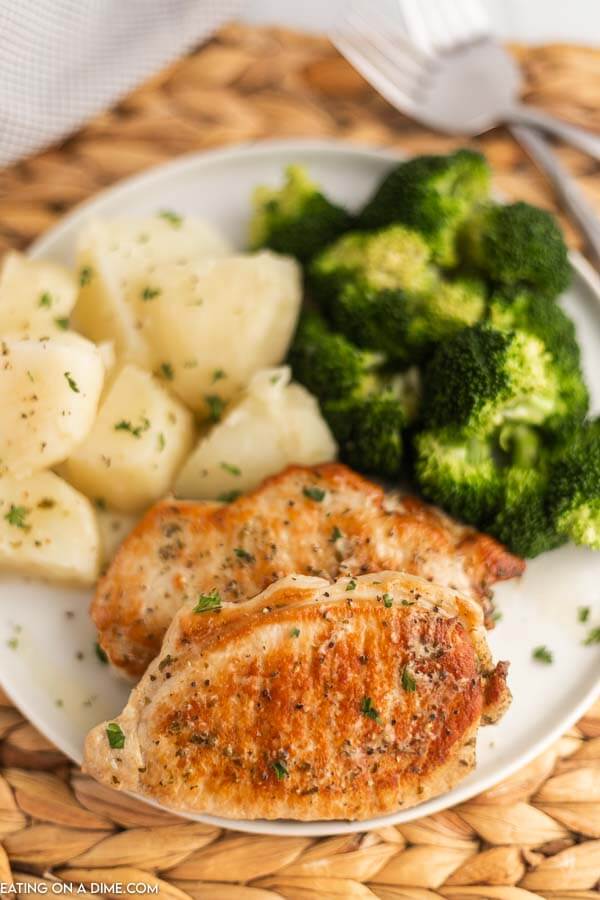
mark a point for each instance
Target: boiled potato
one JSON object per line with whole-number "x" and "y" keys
{"x": 113, "y": 527}
{"x": 47, "y": 528}
{"x": 274, "y": 424}
{"x": 49, "y": 391}
{"x": 116, "y": 259}
{"x": 139, "y": 438}
{"x": 213, "y": 324}
{"x": 35, "y": 296}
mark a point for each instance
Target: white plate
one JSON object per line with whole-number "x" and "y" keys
{"x": 64, "y": 695}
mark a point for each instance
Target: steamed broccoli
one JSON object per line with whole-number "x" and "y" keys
{"x": 380, "y": 290}
{"x": 449, "y": 306}
{"x": 459, "y": 472}
{"x": 392, "y": 259}
{"x": 369, "y": 430}
{"x": 366, "y": 407}
{"x": 483, "y": 378}
{"x": 296, "y": 219}
{"x": 328, "y": 364}
{"x": 516, "y": 245}
{"x": 433, "y": 195}
{"x": 523, "y": 521}
{"x": 574, "y": 489}
{"x": 534, "y": 314}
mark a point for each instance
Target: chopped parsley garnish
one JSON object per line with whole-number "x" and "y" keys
{"x": 336, "y": 534}
{"x": 116, "y": 738}
{"x": 408, "y": 682}
{"x": 280, "y": 770}
{"x": 166, "y": 370}
{"x": 162, "y": 443}
{"x": 543, "y": 655}
{"x": 229, "y": 496}
{"x": 71, "y": 382}
{"x": 368, "y": 710}
{"x": 229, "y": 467}
{"x": 13, "y": 643}
{"x": 85, "y": 275}
{"x": 388, "y": 601}
{"x": 137, "y": 430}
{"x": 217, "y": 375}
{"x": 46, "y": 300}
{"x": 593, "y": 637}
{"x": 295, "y": 632}
{"x": 351, "y": 586}
{"x": 172, "y": 217}
{"x": 406, "y": 602}
{"x": 583, "y": 614}
{"x": 100, "y": 654}
{"x": 496, "y": 616}
{"x": 216, "y": 405}
{"x": 314, "y": 493}
{"x": 149, "y": 293}
{"x": 16, "y": 516}
{"x": 243, "y": 554}
{"x": 208, "y": 602}
{"x": 62, "y": 323}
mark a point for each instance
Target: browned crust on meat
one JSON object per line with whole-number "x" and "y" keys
{"x": 183, "y": 548}
{"x": 264, "y": 713}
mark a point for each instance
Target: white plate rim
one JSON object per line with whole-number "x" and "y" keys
{"x": 461, "y": 793}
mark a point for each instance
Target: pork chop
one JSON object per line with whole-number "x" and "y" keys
{"x": 323, "y": 520}
{"x": 311, "y": 701}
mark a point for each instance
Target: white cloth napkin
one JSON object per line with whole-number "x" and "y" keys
{"x": 63, "y": 61}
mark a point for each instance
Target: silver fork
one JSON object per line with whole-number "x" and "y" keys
{"x": 451, "y": 74}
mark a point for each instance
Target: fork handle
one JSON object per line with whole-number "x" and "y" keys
{"x": 568, "y": 191}
{"x": 522, "y": 114}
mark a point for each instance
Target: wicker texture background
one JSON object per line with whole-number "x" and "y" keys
{"x": 536, "y": 834}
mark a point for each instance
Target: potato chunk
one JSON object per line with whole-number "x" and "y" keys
{"x": 273, "y": 425}
{"x": 213, "y": 324}
{"x": 139, "y": 438}
{"x": 47, "y": 528}
{"x": 49, "y": 391}
{"x": 35, "y": 295}
{"x": 116, "y": 259}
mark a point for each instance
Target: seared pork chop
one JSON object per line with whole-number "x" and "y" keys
{"x": 323, "y": 520}
{"x": 311, "y": 701}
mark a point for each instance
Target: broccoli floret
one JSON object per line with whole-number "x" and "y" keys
{"x": 518, "y": 244}
{"x": 459, "y": 472}
{"x": 369, "y": 429}
{"x": 483, "y": 378}
{"x": 525, "y": 311}
{"x": 432, "y": 194}
{"x": 380, "y": 290}
{"x": 448, "y": 307}
{"x": 296, "y": 219}
{"x": 392, "y": 259}
{"x": 328, "y": 364}
{"x": 407, "y": 326}
{"x": 574, "y": 489}
{"x": 366, "y": 407}
{"x": 523, "y": 522}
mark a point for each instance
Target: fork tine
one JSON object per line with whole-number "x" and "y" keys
{"x": 416, "y": 26}
{"x": 397, "y": 50}
{"x": 473, "y": 13}
{"x": 375, "y": 69}
{"x": 436, "y": 22}
{"x": 384, "y": 26}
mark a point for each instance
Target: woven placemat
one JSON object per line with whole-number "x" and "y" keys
{"x": 536, "y": 834}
